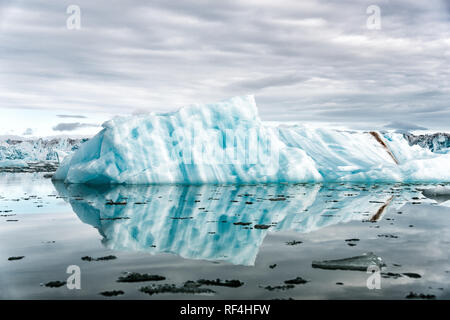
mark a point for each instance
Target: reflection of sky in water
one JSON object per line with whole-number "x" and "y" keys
{"x": 320, "y": 216}
{"x": 28, "y": 193}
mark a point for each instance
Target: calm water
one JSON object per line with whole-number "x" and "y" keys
{"x": 208, "y": 232}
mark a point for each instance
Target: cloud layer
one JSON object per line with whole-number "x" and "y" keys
{"x": 310, "y": 61}
{"x": 72, "y": 126}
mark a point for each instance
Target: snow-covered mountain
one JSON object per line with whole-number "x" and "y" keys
{"x": 436, "y": 142}
{"x": 37, "y": 149}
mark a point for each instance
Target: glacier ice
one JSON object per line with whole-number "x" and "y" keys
{"x": 226, "y": 142}
{"x": 437, "y": 142}
{"x": 38, "y": 149}
{"x": 13, "y": 163}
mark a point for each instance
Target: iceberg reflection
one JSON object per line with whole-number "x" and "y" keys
{"x": 215, "y": 222}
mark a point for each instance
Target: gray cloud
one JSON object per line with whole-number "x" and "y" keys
{"x": 71, "y": 116}
{"x": 311, "y": 61}
{"x": 405, "y": 126}
{"x": 72, "y": 126}
{"x": 28, "y": 132}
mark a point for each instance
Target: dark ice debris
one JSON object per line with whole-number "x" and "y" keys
{"x": 112, "y": 293}
{"x": 412, "y": 275}
{"x": 293, "y": 243}
{"x": 284, "y": 287}
{"x": 242, "y": 223}
{"x": 115, "y": 218}
{"x": 272, "y": 266}
{"x": 118, "y": 203}
{"x": 262, "y": 226}
{"x": 55, "y": 284}
{"x": 190, "y": 287}
{"x": 298, "y": 280}
{"x": 278, "y": 199}
{"x": 218, "y": 282}
{"x": 392, "y": 275}
{"x": 413, "y": 295}
{"x": 105, "y": 258}
{"x": 16, "y": 258}
{"x": 138, "y": 277}
{"x": 387, "y": 236}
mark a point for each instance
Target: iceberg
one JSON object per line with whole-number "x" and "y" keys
{"x": 13, "y": 163}
{"x": 227, "y": 142}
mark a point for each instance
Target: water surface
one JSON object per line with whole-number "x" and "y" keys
{"x": 261, "y": 235}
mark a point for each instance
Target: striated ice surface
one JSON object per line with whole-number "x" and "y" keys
{"x": 221, "y": 222}
{"x": 226, "y": 142}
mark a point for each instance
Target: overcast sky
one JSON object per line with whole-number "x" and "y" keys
{"x": 312, "y": 61}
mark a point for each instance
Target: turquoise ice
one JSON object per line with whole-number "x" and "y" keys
{"x": 226, "y": 142}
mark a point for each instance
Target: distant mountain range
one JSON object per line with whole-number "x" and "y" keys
{"x": 38, "y": 149}
{"x": 436, "y": 142}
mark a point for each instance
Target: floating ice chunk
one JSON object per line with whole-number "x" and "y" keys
{"x": 13, "y": 164}
{"x": 358, "y": 263}
{"x": 439, "y": 193}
